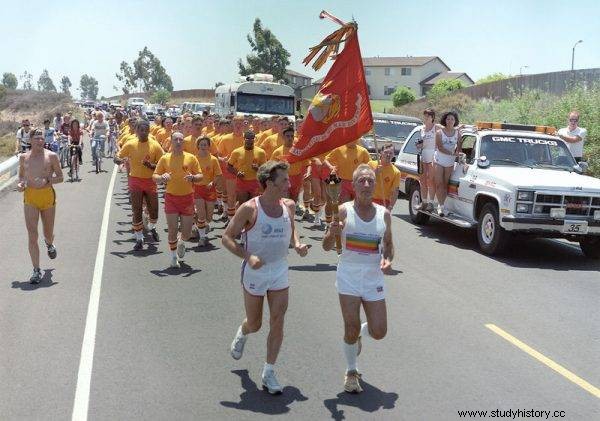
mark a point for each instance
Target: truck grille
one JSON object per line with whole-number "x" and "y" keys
{"x": 573, "y": 205}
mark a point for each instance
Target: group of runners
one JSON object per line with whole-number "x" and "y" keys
{"x": 237, "y": 167}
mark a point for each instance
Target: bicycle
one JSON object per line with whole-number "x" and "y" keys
{"x": 98, "y": 151}
{"x": 74, "y": 153}
{"x": 63, "y": 153}
{"x": 112, "y": 145}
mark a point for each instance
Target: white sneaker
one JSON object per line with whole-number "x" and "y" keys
{"x": 269, "y": 382}
{"x": 237, "y": 346}
{"x": 318, "y": 221}
{"x": 175, "y": 262}
{"x": 180, "y": 249}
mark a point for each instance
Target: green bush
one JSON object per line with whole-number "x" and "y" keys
{"x": 444, "y": 87}
{"x": 402, "y": 95}
{"x": 492, "y": 78}
{"x": 161, "y": 97}
{"x": 2, "y": 92}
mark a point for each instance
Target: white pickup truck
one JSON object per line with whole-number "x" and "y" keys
{"x": 512, "y": 179}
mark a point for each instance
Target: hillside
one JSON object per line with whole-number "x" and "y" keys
{"x": 17, "y": 105}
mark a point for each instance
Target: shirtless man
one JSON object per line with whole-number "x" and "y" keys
{"x": 39, "y": 170}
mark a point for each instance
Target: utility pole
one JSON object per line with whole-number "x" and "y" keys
{"x": 573, "y": 54}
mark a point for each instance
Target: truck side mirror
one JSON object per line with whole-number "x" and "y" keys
{"x": 483, "y": 162}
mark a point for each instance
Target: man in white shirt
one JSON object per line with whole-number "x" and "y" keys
{"x": 574, "y": 136}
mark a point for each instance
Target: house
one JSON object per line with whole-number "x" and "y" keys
{"x": 297, "y": 80}
{"x": 308, "y": 92}
{"x": 385, "y": 74}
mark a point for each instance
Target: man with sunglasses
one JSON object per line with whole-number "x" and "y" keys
{"x": 39, "y": 170}
{"x": 574, "y": 136}
{"x": 23, "y": 143}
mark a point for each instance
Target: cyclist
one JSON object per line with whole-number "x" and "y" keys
{"x": 50, "y": 137}
{"x": 75, "y": 134}
{"x": 23, "y": 143}
{"x": 112, "y": 137}
{"x": 98, "y": 133}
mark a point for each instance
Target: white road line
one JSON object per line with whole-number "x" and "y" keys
{"x": 84, "y": 376}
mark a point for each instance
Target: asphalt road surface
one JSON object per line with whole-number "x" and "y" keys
{"x": 466, "y": 331}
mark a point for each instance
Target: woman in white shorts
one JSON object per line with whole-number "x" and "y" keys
{"x": 426, "y": 179}
{"x": 446, "y": 142}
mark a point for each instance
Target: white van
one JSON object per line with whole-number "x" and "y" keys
{"x": 135, "y": 102}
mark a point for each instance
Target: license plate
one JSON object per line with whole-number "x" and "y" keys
{"x": 575, "y": 227}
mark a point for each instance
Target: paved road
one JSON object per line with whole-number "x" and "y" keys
{"x": 162, "y": 338}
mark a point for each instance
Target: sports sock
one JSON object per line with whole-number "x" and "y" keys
{"x": 350, "y": 351}
{"x": 139, "y": 236}
{"x": 364, "y": 330}
{"x": 268, "y": 367}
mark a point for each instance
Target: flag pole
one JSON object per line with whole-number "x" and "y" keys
{"x": 379, "y": 167}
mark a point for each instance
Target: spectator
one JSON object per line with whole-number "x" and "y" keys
{"x": 574, "y": 136}
{"x": 23, "y": 143}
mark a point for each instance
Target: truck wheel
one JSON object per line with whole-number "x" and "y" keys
{"x": 414, "y": 198}
{"x": 491, "y": 236}
{"x": 590, "y": 246}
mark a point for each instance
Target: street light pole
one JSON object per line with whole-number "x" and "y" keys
{"x": 521, "y": 70}
{"x": 573, "y": 55}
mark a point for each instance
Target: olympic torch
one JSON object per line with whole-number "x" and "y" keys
{"x": 333, "y": 186}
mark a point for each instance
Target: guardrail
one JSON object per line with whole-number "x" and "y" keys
{"x": 8, "y": 170}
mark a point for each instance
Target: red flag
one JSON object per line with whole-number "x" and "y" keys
{"x": 340, "y": 112}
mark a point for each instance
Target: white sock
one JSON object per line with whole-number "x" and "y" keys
{"x": 268, "y": 367}
{"x": 364, "y": 330}
{"x": 350, "y": 351}
{"x": 151, "y": 225}
{"x": 139, "y": 236}
{"x": 173, "y": 253}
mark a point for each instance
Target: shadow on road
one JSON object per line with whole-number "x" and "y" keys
{"x": 370, "y": 400}
{"x": 255, "y": 400}
{"x": 149, "y": 251}
{"x": 46, "y": 282}
{"x": 319, "y": 267}
{"x": 184, "y": 269}
{"x": 521, "y": 252}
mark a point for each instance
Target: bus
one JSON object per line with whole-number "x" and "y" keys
{"x": 255, "y": 94}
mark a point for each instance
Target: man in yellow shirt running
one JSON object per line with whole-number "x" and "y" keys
{"x": 179, "y": 170}
{"x": 388, "y": 178}
{"x": 228, "y": 143}
{"x": 297, "y": 171}
{"x": 243, "y": 163}
{"x": 343, "y": 161}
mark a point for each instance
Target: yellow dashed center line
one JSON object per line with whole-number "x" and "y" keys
{"x": 546, "y": 361}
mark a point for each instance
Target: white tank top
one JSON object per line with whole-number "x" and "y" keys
{"x": 362, "y": 241}
{"x": 449, "y": 142}
{"x": 428, "y": 138}
{"x": 269, "y": 238}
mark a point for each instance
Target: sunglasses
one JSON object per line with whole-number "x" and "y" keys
{"x": 574, "y": 120}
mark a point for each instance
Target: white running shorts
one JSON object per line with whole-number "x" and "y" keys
{"x": 427, "y": 155}
{"x": 364, "y": 281}
{"x": 270, "y": 277}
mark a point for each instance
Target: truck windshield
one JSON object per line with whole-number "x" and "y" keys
{"x": 264, "y": 104}
{"x": 393, "y": 129}
{"x": 526, "y": 150}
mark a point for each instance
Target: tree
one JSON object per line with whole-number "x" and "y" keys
{"x": 146, "y": 74}
{"x": 402, "y": 95}
{"x": 218, "y": 84}
{"x": 492, "y": 78}
{"x": 9, "y": 80}
{"x": 88, "y": 87}
{"x": 65, "y": 85}
{"x": 268, "y": 55}
{"x": 162, "y": 96}
{"x": 44, "y": 83}
{"x": 444, "y": 87}
{"x": 27, "y": 79}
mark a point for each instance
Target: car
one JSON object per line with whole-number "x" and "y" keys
{"x": 509, "y": 180}
{"x": 388, "y": 128}
{"x": 197, "y": 108}
{"x": 173, "y": 112}
{"x": 135, "y": 102}
{"x": 150, "y": 111}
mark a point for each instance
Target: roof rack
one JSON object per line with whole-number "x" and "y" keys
{"x": 521, "y": 127}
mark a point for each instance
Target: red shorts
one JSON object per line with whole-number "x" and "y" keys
{"x": 347, "y": 189}
{"x": 145, "y": 185}
{"x": 182, "y": 205}
{"x": 205, "y": 193}
{"x": 251, "y": 187}
{"x": 226, "y": 174}
{"x": 296, "y": 182}
{"x": 324, "y": 173}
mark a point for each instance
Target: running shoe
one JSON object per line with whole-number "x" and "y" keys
{"x": 175, "y": 262}
{"x": 270, "y": 383}
{"x": 180, "y": 249}
{"x": 306, "y": 215}
{"x": 237, "y": 346}
{"x": 429, "y": 207}
{"x": 139, "y": 244}
{"x": 202, "y": 242}
{"x": 352, "y": 382}
{"x": 440, "y": 210}
{"x": 154, "y": 235}
{"x": 36, "y": 277}
{"x": 51, "y": 251}
{"x": 318, "y": 221}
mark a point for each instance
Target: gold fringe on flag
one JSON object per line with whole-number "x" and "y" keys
{"x": 331, "y": 44}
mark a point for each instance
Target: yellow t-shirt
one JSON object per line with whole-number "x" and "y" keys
{"x": 261, "y": 136}
{"x": 228, "y": 143}
{"x": 209, "y": 165}
{"x": 178, "y": 166}
{"x": 346, "y": 160}
{"x": 269, "y": 145}
{"x": 136, "y": 151}
{"x": 387, "y": 181}
{"x": 296, "y": 168}
{"x": 242, "y": 160}
{"x": 163, "y": 136}
{"x": 189, "y": 144}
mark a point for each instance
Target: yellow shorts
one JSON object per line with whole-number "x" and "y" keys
{"x": 40, "y": 199}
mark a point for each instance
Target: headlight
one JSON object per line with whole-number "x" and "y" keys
{"x": 526, "y": 196}
{"x": 523, "y": 208}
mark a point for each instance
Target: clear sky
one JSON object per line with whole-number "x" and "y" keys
{"x": 199, "y": 42}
